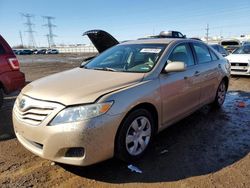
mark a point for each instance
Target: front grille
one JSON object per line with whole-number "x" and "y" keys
{"x": 33, "y": 111}
{"x": 34, "y": 115}
{"x": 239, "y": 64}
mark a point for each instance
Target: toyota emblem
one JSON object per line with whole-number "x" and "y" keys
{"x": 22, "y": 104}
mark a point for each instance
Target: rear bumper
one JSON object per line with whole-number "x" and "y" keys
{"x": 12, "y": 81}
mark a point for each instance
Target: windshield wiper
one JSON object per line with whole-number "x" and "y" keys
{"x": 104, "y": 68}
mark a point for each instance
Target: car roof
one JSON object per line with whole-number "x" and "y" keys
{"x": 158, "y": 41}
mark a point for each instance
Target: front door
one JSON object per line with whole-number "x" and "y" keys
{"x": 180, "y": 91}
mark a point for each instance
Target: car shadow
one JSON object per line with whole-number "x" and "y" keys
{"x": 202, "y": 143}
{"x": 6, "y": 126}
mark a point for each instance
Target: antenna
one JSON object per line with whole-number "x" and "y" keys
{"x": 50, "y": 36}
{"x": 30, "y": 30}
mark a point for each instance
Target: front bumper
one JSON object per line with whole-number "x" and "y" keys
{"x": 96, "y": 136}
{"x": 240, "y": 69}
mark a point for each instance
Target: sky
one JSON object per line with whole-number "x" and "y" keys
{"x": 125, "y": 20}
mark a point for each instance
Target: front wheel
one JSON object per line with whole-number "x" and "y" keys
{"x": 134, "y": 135}
{"x": 220, "y": 95}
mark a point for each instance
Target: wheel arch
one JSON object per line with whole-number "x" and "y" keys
{"x": 226, "y": 79}
{"x": 147, "y": 106}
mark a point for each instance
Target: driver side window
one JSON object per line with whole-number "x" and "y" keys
{"x": 182, "y": 53}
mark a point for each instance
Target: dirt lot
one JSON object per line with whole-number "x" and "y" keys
{"x": 207, "y": 149}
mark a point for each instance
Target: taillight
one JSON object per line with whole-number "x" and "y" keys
{"x": 14, "y": 63}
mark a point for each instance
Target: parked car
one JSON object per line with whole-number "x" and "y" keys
{"x": 34, "y": 51}
{"x": 52, "y": 51}
{"x": 166, "y": 34}
{"x": 113, "y": 104}
{"x": 230, "y": 44}
{"x": 24, "y": 52}
{"x": 240, "y": 61}
{"x": 41, "y": 51}
{"x": 14, "y": 51}
{"x": 11, "y": 78}
{"x": 220, "y": 49}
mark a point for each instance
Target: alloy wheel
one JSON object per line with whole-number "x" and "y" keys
{"x": 138, "y": 135}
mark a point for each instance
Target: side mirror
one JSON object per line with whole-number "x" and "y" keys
{"x": 175, "y": 66}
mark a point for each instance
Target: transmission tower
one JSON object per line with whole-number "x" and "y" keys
{"x": 50, "y": 36}
{"x": 207, "y": 32}
{"x": 30, "y": 30}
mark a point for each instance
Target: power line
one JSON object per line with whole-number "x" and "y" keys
{"x": 30, "y": 30}
{"x": 50, "y": 36}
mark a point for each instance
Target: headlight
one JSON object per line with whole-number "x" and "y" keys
{"x": 80, "y": 113}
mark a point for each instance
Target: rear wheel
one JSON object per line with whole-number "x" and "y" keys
{"x": 1, "y": 97}
{"x": 220, "y": 95}
{"x": 135, "y": 135}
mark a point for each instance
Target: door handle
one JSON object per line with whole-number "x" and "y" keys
{"x": 197, "y": 73}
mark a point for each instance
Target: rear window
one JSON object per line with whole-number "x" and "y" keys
{"x": 214, "y": 57}
{"x": 202, "y": 53}
{"x": 182, "y": 53}
{"x": 2, "y": 51}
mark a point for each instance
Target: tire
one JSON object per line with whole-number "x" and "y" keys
{"x": 220, "y": 95}
{"x": 1, "y": 97}
{"x": 134, "y": 135}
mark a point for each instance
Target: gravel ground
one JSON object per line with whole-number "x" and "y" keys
{"x": 207, "y": 149}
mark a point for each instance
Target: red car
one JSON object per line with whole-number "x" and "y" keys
{"x": 11, "y": 79}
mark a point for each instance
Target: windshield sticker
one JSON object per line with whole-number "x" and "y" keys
{"x": 150, "y": 50}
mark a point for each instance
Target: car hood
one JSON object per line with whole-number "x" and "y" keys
{"x": 238, "y": 58}
{"x": 101, "y": 39}
{"x": 79, "y": 85}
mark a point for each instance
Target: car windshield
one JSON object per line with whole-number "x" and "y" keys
{"x": 128, "y": 58}
{"x": 243, "y": 50}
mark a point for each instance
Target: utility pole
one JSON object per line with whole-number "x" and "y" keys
{"x": 30, "y": 30}
{"x": 50, "y": 35}
{"x": 21, "y": 38}
{"x": 48, "y": 40}
{"x": 207, "y": 32}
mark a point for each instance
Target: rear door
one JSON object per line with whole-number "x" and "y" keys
{"x": 207, "y": 69}
{"x": 101, "y": 39}
{"x": 180, "y": 91}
